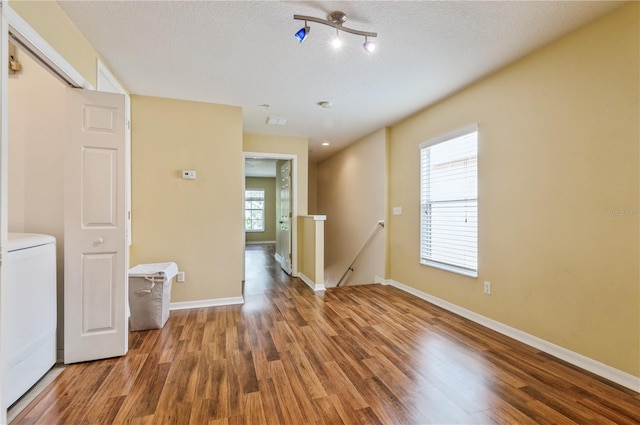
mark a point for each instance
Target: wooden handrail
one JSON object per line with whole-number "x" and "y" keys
{"x": 350, "y": 268}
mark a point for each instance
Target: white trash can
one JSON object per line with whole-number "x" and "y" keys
{"x": 150, "y": 294}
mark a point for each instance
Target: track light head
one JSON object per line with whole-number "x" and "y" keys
{"x": 303, "y": 32}
{"x": 337, "y": 41}
{"x": 369, "y": 45}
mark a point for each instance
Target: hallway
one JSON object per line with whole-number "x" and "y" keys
{"x": 366, "y": 354}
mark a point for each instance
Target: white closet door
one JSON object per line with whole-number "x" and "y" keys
{"x": 95, "y": 293}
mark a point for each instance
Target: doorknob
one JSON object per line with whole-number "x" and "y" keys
{"x": 98, "y": 241}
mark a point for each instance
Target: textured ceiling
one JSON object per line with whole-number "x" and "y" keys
{"x": 243, "y": 53}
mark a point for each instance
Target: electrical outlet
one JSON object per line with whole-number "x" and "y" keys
{"x": 189, "y": 174}
{"x": 487, "y": 288}
{"x": 180, "y": 276}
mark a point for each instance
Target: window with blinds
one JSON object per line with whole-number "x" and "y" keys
{"x": 449, "y": 202}
{"x": 254, "y": 210}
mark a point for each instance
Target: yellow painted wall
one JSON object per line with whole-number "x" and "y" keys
{"x": 558, "y": 193}
{"x": 52, "y": 23}
{"x": 269, "y": 186}
{"x": 351, "y": 193}
{"x": 196, "y": 223}
{"x": 284, "y": 145}
{"x": 36, "y": 155}
{"x": 313, "y": 188}
{"x": 311, "y": 248}
{"x": 307, "y": 247}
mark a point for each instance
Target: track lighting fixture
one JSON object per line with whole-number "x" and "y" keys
{"x": 335, "y": 20}
{"x": 303, "y": 32}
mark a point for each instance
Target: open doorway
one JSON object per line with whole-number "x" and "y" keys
{"x": 270, "y": 207}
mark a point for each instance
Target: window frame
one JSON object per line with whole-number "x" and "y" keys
{"x": 464, "y": 267}
{"x": 263, "y": 209}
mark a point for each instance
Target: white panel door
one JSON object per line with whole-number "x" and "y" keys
{"x": 284, "y": 243}
{"x": 95, "y": 282}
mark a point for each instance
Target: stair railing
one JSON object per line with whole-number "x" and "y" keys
{"x": 378, "y": 225}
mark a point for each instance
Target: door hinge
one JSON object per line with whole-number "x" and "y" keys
{"x": 290, "y": 214}
{"x": 128, "y": 124}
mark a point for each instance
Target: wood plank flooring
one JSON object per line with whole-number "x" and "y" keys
{"x": 367, "y": 354}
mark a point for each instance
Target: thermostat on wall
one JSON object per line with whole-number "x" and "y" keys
{"x": 189, "y": 174}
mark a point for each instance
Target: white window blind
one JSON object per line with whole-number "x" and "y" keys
{"x": 254, "y": 210}
{"x": 449, "y": 202}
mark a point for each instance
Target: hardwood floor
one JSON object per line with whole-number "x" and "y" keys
{"x": 355, "y": 355}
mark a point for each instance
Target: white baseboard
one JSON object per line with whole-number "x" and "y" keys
{"x": 311, "y": 283}
{"x": 216, "y": 302}
{"x": 615, "y": 375}
{"x": 381, "y": 281}
{"x": 258, "y": 242}
{"x": 278, "y": 258}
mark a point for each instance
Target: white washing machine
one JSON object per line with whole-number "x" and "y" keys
{"x": 31, "y": 319}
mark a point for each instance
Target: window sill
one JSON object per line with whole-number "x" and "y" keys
{"x": 450, "y": 268}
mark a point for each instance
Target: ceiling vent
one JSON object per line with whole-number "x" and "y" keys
{"x": 277, "y": 121}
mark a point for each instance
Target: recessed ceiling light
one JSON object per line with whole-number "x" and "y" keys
{"x": 325, "y": 143}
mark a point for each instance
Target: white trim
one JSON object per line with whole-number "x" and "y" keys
{"x": 311, "y": 283}
{"x": 104, "y": 72}
{"x": 258, "y": 242}
{"x": 453, "y": 135}
{"x": 25, "y": 35}
{"x": 316, "y": 217}
{"x": 216, "y": 302}
{"x": 615, "y": 375}
{"x": 278, "y": 258}
{"x": 381, "y": 281}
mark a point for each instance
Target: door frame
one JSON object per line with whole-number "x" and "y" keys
{"x": 294, "y": 202}
{"x": 12, "y": 26}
